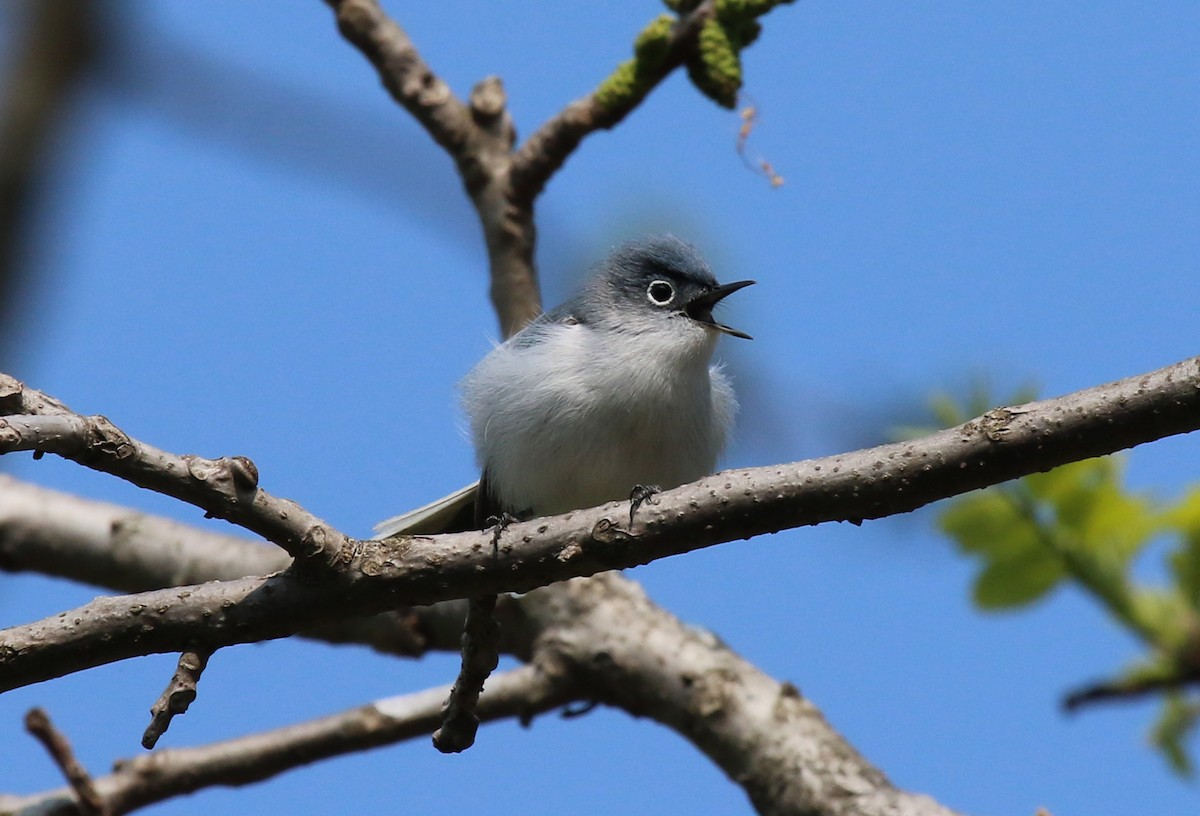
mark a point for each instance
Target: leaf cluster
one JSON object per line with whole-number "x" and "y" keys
{"x": 1080, "y": 525}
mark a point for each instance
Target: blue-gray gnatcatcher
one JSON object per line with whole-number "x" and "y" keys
{"x": 612, "y": 390}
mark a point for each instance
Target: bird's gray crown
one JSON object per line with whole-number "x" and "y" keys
{"x": 623, "y": 281}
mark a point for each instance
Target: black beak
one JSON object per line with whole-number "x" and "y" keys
{"x": 700, "y": 308}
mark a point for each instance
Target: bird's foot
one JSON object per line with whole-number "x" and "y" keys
{"x": 499, "y": 524}
{"x": 641, "y": 494}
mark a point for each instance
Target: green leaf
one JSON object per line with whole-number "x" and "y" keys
{"x": 1184, "y": 518}
{"x": 1063, "y": 485}
{"x": 1160, "y": 617}
{"x": 1017, "y": 579}
{"x": 1018, "y": 566}
{"x": 1175, "y": 723}
{"x": 1185, "y": 566}
{"x": 987, "y": 524}
{"x": 1098, "y": 515}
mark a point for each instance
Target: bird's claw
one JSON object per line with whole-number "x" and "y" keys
{"x": 641, "y": 494}
{"x": 500, "y": 524}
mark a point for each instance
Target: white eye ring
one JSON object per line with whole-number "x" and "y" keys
{"x": 660, "y": 292}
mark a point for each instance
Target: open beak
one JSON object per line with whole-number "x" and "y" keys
{"x": 700, "y": 308}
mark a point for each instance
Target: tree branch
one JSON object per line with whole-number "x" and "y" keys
{"x": 371, "y": 576}
{"x": 89, "y": 802}
{"x": 405, "y": 74}
{"x": 1128, "y": 688}
{"x": 225, "y": 488}
{"x": 544, "y": 152}
{"x": 481, "y": 634}
{"x": 64, "y": 531}
{"x": 503, "y": 184}
{"x": 107, "y": 545}
{"x": 177, "y": 696}
{"x": 764, "y": 734}
{"x": 478, "y": 136}
{"x": 522, "y": 693}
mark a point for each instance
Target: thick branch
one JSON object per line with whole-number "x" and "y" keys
{"x": 768, "y": 738}
{"x": 371, "y": 576}
{"x": 106, "y": 545}
{"x": 93, "y": 542}
{"x": 522, "y": 693}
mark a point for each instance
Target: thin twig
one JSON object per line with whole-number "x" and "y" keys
{"x": 37, "y": 723}
{"x": 749, "y": 116}
{"x": 405, "y": 74}
{"x": 139, "y": 781}
{"x": 177, "y": 696}
{"x": 478, "y": 136}
{"x": 1107, "y": 691}
{"x": 480, "y": 655}
{"x": 545, "y": 151}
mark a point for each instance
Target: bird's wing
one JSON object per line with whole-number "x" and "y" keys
{"x": 449, "y": 514}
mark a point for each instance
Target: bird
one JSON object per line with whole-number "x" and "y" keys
{"x": 611, "y": 395}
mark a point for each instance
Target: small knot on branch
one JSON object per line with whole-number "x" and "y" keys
{"x": 487, "y": 100}
{"x": 107, "y": 440}
{"x": 11, "y": 391}
{"x": 244, "y": 472}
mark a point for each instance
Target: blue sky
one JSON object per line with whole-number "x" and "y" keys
{"x": 246, "y": 248}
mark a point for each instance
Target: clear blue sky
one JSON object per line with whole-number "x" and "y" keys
{"x": 248, "y": 249}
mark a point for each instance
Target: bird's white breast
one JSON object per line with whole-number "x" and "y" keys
{"x": 587, "y": 415}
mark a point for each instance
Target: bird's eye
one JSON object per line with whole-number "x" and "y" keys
{"x": 660, "y": 293}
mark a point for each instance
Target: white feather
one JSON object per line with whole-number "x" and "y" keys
{"x": 572, "y": 439}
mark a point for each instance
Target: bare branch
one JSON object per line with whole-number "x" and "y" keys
{"x": 478, "y": 136}
{"x": 372, "y": 576}
{"x": 55, "y": 533}
{"x": 1128, "y": 688}
{"x": 407, "y": 77}
{"x": 481, "y": 634}
{"x": 522, "y": 693}
{"x": 225, "y": 488}
{"x": 37, "y": 723}
{"x": 177, "y": 696}
{"x": 764, "y": 734}
{"x": 107, "y": 545}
